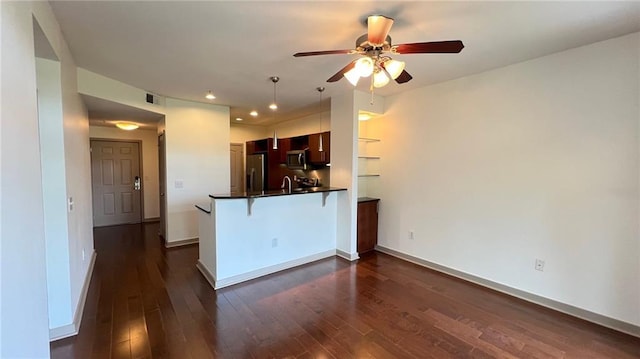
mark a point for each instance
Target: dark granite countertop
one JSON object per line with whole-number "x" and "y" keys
{"x": 367, "y": 199}
{"x": 274, "y": 193}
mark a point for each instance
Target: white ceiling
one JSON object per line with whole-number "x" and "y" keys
{"x": 182, "y": 49}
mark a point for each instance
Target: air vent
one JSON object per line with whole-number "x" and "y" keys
{"x": 154, "y": 99}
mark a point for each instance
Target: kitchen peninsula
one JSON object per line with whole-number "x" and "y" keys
{"x": 247, "y": 235}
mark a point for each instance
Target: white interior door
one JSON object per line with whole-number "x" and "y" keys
{"x": 116, "y": 182}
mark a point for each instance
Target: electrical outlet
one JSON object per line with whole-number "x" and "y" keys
{"x": 179, "y": 184}
{"x": 274, "y": 242}
{"x": 411, "y": 235}
{"x": 540, "y": 265}
{"x": 70, "y": 204}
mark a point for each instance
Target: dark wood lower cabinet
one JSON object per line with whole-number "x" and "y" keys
{"x": 367, "y": 224}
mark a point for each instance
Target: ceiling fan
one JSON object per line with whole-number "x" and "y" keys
{"x": 374, "y": 47}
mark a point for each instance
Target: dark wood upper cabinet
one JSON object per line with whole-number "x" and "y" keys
{"x": 315, "y": 155}
{"x": 257, "y": 146}
{"x": 299, "y": 142}
{"x": 251, "y": 147}
{"x": 276, "y": 159}
{"x": 284, "y": 145}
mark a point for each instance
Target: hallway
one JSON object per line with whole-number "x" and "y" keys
{"x": 146, "y": 301}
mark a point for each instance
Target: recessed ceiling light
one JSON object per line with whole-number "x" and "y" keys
{"x": 253, "y": 113}
{"x": 210, "y": 96}
{"x": 239, "y": 119}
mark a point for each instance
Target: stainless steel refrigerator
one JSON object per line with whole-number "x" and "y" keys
{"x": 256, "y": 173}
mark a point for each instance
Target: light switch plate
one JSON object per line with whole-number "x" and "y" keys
{"x": 179, "y": 184}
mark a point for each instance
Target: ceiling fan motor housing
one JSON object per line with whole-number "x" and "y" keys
{"x": 363, "y": 44}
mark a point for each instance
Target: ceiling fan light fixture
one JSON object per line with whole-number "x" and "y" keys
{"x": 380, "y": 79}
{"x": 273, "y": 106}
{"x": 394, "y": 68}
{"x": 352, "y": 76}
{"x": 364, "y": 66}
{"x": 127, "y": 126}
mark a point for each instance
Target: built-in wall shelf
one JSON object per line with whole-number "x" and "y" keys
{"x": 369, "y": 157}
{"x": 366, "y": 139}
{"x": 368, "y": 166}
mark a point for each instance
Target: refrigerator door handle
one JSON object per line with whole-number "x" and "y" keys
{"x": 252, "y": 179}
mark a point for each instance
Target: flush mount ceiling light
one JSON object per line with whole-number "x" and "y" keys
{"x": 373, "y": 46}
{"x": 210, "y": 96}
{"x": 253, "y": 113}
{"x": 364, "y": 116}
{"x": 239, "y": 119}
{"x": 274, "y": 107}
{"x": 127, "y": 126}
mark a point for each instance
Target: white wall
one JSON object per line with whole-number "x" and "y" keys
{"x": 197, "y": 145}
{"x": 344, "y": 170}
{"x": 77, "y": 163}
{"x": 242, "y": 133}
{"x": 24, "y": 325}
{"x": 314, "y": 123}
{"x": 197, "y": 148}
{"x": 151, "y": 176}
{"x": 241, "y": 246}
{"x": 26, "y": 329}
{"x": 54, "y": 191}
{"x": 534, "y": 160}
{"x": 78, "y": 172}
{"x": 344, "y": 162}
{"x": 96, "y": 85}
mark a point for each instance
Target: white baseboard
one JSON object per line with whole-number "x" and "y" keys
{"x": 225, "y": 282}
{"x": 182, "y": 242}
{"x": 348, "y": 256}
{"x": 72, "y": 329}
{"x": 589, "y": 316}
{"x": 206, "y": 274}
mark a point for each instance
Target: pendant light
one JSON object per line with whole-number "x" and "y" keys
{"x": 274, "y": 107}
{"x": 321, "y": 90}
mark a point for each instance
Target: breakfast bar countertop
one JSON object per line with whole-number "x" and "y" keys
{"x": 273, "y": 193}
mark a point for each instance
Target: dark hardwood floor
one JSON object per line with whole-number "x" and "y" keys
{"x": 145, "y": 301}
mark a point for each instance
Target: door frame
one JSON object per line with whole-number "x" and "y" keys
{"x": 139, "y": 142}
{"x": 162, "y": 185}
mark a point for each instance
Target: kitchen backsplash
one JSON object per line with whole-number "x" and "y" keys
{"x": 322, "y": 174}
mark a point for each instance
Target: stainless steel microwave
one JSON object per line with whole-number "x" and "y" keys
{"x": 297, "y": 160}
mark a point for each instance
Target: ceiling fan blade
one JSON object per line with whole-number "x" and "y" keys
{"x": 329, "y": 52}
{"x": 340, "y": 73}
{"x": 435, "y": 47}
{"x": 404, "y": 77}
{"x": 378, "y": 28}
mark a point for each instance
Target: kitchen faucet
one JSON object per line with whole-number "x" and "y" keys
{"x": 285, "y": 180}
